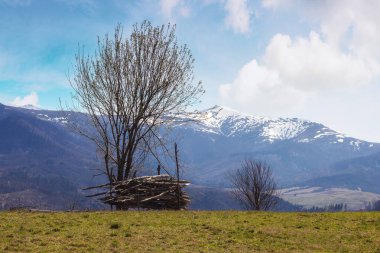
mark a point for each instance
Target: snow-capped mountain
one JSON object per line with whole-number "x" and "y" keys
{"x": 30, "y": 107}
{"x": 212, "y": 142}
{"x": 216, "y": 140}
{"x": 227, "y": 122}
{"x": 230, "y": 123}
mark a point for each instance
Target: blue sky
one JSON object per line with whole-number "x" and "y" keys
{"x": 318, "y": 60}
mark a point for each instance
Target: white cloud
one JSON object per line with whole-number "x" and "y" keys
{"x": 167, "y": 6}
{"x": 276, "y": 3}
{"x": 261, "y": 90}
{"x": 238, "y": 15}
{"x": 350, "y": 25}
{"x": 312, "y": 64}
{"x": 354, "y": 24}
{"x": 170, "y": 8}
{"x": 342, "y": 56}
{"x": 31, "y": 99}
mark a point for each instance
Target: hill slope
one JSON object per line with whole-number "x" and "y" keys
{"x": 40, "y": 158}
{"x": 215, "y": 141}
{"x": 42, "y": 164}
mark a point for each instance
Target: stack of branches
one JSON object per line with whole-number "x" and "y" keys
{"x": 150, "y": 192}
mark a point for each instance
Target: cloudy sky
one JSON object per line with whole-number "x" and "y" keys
{"x": 318, "y": 60}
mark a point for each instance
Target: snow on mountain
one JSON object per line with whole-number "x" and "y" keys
{"x": 53, "y": 118}
{"x": 30, "y": 107}
{"x": 225, "y": 121}
{"x": 212, "y": 143}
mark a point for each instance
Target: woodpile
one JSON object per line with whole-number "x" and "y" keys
{"x": 150, "y": 192}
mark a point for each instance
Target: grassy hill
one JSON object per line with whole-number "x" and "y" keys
{"x": 188, "y": 231}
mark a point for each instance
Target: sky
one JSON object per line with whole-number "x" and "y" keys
{"x": 317, "y": 60}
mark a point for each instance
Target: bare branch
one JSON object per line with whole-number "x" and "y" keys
{"x": 255, "y": 187}
{"x": 127, "y": 87}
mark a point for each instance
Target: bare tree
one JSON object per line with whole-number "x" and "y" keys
{"x": 255, "y": 187}
{"x": 127, "y": 88}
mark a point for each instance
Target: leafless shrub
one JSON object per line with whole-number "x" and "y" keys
{"x": 255, "y": 187}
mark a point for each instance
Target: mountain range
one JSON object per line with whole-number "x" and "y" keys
{"x": 299, "y": 151}
{"x": 43, "y": 162}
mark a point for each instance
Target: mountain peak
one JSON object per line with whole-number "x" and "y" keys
{"x": 30, "y": 107}
{"x": 228, "y": 122}
{"x": 219, "y": 107}
{"x": 224, "y": 112}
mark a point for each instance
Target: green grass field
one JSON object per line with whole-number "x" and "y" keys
{"x": 188, "y": 231}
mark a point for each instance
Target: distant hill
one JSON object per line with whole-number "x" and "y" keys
{"x": 216, "y": 140}
{"x": 43, "y": 163}
{"x": 208, "y": 198}
{"x": 361, "y": 172}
